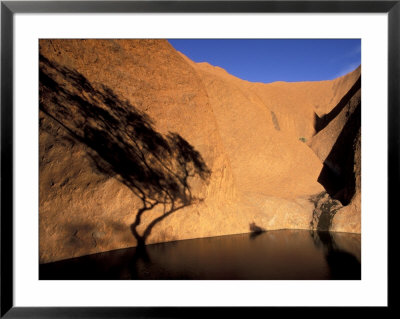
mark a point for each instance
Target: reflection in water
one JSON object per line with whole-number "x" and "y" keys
{"x": 281, "y": 255}
{"x": 343, "y": 261}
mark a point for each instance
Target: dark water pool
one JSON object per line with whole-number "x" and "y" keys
{"x": 281, "y": 255}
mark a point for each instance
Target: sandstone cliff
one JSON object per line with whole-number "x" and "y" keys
{"x": 138, "y": 145}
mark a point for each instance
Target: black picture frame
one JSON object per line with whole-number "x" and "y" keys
{"x": 9, "y": 8}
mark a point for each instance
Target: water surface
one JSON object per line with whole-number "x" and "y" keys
{"x": 271, "y": 255}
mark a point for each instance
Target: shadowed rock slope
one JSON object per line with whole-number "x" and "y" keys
{"x": 139, "y": 145}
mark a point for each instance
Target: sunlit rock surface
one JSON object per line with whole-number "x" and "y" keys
{"x": 140, "y": 145}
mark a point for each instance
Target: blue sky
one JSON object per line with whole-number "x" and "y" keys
{"x": 272, "y": 60}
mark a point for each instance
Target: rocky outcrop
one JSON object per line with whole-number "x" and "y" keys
{"x": 138, "y": 145}
{"x": 338, "y": 145}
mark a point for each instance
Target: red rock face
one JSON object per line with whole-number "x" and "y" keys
{"x": 139, "y": 145}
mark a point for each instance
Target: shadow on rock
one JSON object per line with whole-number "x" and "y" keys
{"x": 122, "y": 143}
{"x": 337, "y": 175}
{"x": 256, "y": 230}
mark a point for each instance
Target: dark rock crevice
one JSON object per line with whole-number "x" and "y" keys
{"x": 338, "y": 175}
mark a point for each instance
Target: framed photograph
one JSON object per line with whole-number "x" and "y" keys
{"x": 175, "y": 158}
